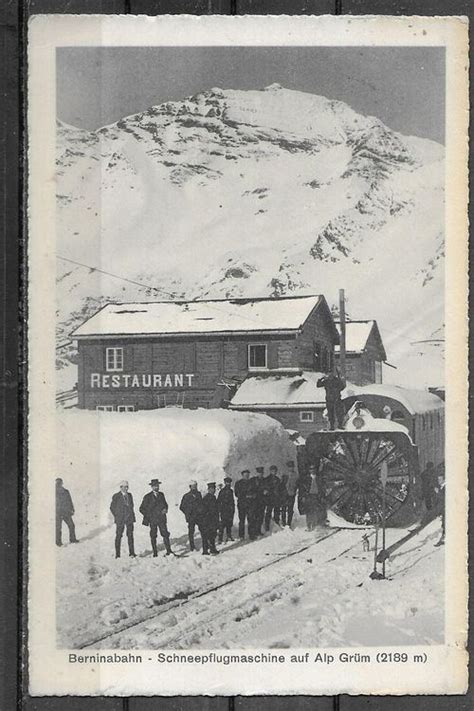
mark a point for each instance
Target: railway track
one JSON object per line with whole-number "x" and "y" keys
{"x": 166, "y": 638}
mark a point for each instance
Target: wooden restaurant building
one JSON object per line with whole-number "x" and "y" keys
{"x": 193, "y": 354}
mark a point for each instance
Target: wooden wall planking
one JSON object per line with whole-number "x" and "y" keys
{"x": 407, "y": 703}
{"x": 75, "y": 7}
{"x": 180, "y": 7}
{"x": 70, "y": 703}
{"x": 284, "y": 703}
{"x": 406, "y": 7}
{"x": 285, "y": 7}
{"x": 179, "y": 703}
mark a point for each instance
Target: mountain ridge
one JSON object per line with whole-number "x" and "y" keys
{"x": 254, "y": 193}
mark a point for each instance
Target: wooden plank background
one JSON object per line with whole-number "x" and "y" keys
{"x": 13, "y": 17}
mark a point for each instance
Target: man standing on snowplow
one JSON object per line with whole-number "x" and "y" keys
{"x": 333, "y": 385}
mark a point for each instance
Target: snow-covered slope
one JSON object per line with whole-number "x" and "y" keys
{"x": 255, "y": 193}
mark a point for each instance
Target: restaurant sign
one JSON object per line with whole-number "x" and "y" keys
{"x": 141, "y": 380}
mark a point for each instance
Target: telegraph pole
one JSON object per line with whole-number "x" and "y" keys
{"x": 342, "y": 344}
{"x": 384, "y": 477}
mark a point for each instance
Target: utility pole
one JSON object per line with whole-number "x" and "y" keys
{"x": 383, "y": 478}
{"x": 342, "y": 344}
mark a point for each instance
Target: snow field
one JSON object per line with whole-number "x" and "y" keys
{"x": 251, "y": 594}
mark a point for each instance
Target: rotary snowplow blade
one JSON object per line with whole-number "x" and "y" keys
{"x": 350, "y": 464}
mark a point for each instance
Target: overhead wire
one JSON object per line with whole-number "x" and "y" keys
{"x": 167, "y": 293}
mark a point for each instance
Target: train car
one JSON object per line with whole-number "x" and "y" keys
{"x": 388, "y": 431}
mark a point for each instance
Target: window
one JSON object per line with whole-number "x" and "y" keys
{"x": 257, "y": 355}
{"x": 114, "y": 359}
{"x": 105, "y": 408}
{"x": 126, "y": 408}
{"x": 306, "y": 416}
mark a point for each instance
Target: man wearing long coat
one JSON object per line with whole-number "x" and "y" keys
{"x": 64, "y": 512}
{"x": 255, "y": 504}
{"x": 210, "y": 520}
{"x": 280, "y": 509}
{"x": 154, "y": 509}
{"x": 191, "y": 506}
{"x": 312, "y": 500}
{"x": 226, "y": 506}
{"x": 123, "y": 512}
{"x": 292, "y": 489}
{"x": 268, "y": 483}
{"x": 241, "y": 490}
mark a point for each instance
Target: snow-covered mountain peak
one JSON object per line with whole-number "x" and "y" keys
{"x": 253, "y": 192}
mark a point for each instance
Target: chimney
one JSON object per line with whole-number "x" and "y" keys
{"x": 342, "y": 344}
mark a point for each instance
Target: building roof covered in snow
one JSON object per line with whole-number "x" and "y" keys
{"x": 201, "y": 317}
{"x": 358, "y": 334}
{"x": 415, "y": 401}
{"x": 284, "y": 390}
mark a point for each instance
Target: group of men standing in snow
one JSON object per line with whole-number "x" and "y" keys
{"x": 263, "y": 496}
{"x": 210, "y": 514}
{"x": 260, "y": 498}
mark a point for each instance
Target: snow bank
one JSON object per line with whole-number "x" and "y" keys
{"x": 99, "y": 449}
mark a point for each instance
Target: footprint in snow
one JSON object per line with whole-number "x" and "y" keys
{"x": 96, "y": 572}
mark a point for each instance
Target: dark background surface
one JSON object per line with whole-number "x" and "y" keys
{"x": 13, "y": 17}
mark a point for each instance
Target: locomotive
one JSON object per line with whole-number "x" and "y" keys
{"x": 389, "y": 432}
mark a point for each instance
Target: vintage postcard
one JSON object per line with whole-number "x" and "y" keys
{"x": 247, "y": 263}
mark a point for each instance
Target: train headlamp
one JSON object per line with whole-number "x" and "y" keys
{"x": 358, "y": 422}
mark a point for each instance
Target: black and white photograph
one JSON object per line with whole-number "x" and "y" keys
{"x": 249, "y": 258}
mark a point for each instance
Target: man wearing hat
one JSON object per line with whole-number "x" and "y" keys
{"x": 154, "y": 509}
{"x": 255, "y": 504}
{"x": 191, "y": 506}
{"x": 241, "y": 491}
{"x": 291, "y": 488}
{"x": 210, "y": 520}
{"x": 269, "y": 483}
{"x": 226, "y": 506}
{"x": 280, "y": 510}
{"x": 121, "y": 507}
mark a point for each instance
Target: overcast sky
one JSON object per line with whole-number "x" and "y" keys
{"x": 404, "y": 87}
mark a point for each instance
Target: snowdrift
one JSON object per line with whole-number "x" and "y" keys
{"x": 99, "y": 449}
